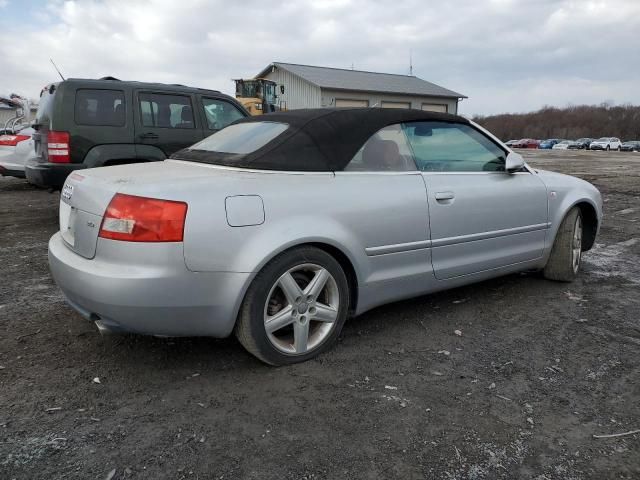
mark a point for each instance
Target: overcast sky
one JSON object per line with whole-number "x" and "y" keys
{"x": 505, "y": 55}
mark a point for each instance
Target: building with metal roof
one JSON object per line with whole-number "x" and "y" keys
{"x": 307, "y": 86}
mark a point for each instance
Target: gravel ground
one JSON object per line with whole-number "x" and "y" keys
{"x": 540, "y": 368}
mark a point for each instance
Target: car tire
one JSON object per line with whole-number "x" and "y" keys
{"x": 608, "y": 148}
{"x": 566, "y": 254}
{"x": 321, "y": 313}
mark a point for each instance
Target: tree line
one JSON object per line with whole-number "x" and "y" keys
{"x": 572, "y": 122}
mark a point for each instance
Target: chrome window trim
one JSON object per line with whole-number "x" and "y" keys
{"x": 476, "y": 173}
{"x": 373, "y": 172}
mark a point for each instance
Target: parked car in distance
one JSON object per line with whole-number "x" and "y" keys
{"x": 244, "y": 233}
{"x": 526, "y": 143}
{"x": 580, "y": 144}
{"x": 630, "y": 146}
{"x": 605, "y": 143}
{"x": 15, "y": 151}
{"x": 548, "y": 144}
{"x": 562, "y": 145}
{"x": 510, "y": 143}
{"x": 84, "y": 123}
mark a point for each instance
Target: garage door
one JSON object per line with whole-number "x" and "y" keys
{"x": 396, "y": 104}
{"x": 435, "y": 107}
{"x": 343, "y": 102}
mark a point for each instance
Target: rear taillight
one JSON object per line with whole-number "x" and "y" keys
{"x": 140, "y": 219}
{"x": 12, "y": 140}
{"x": 58, "y": 147}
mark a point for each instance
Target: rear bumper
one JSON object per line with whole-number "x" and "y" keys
{"x": 155, "y": 295}
{"x": 8, "y": 170}
{"x": 50, "y": 175}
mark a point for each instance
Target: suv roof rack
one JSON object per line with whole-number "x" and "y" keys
{"x": 109, "y": 78}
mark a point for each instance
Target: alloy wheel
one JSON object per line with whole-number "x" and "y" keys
{"x": 576, "y": 246}
{"x": 301, "y": 309}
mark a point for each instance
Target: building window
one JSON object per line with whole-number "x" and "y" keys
{"x": 347, "y": 103}
{"x": 396, "y": 104}
{"x": 435, "y": 107}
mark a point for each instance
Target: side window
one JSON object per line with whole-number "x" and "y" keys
{"x": 386, "y": 151}
{"x": 100, "y": 107}
{"x": 220, "y": 113}
{"x": 166, "y": 111}
{"x": 453, "y": 147}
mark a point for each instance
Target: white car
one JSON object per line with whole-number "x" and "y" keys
{"x": 606, "y": 143}
{"x": 15, "y": 150}
{"x": 563, "y": 145}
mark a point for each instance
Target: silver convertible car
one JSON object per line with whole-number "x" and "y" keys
{"x": 280, "y": 227}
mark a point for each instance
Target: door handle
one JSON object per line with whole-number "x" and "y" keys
{"x": 442, "y": 196}
{"x": 149, "y": 136}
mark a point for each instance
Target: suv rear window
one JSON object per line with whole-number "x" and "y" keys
{"x": 100, "y": 107}
{"x": 166, "y": 111}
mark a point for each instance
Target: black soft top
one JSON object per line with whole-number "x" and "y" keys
{"x": 317, "y": 140}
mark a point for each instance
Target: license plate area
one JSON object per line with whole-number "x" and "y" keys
{"x": 79, "y": 229}
{"x": 67, "y": 222}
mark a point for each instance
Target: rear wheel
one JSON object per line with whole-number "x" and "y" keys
{"x": 566, "y": 255}
{"x": 295, "y": 308}
{"x": 608, "y": 148}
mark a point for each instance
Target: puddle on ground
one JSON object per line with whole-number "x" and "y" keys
{"x": 615, "y": 260}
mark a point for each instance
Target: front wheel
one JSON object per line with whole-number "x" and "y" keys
{"x": 295, "y": 308}
{"x": 608, "y": 148}
{"x": 566, "y": 254}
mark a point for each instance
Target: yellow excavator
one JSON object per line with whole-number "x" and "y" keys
{"x": 258, "y": 95}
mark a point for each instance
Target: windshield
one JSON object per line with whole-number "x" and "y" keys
{"x": 603, "y": 139}
{"x": 242, "y": 138}
{"x": 257, "y": 89}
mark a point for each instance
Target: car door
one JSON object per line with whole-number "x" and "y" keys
{"x": 166, "y": 120}
{"x": 380, "y": 195}
{"x": 481, "y": 217}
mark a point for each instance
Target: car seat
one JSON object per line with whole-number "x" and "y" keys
{"x": 186, "y": 118}
{"x": 381, "y": 154}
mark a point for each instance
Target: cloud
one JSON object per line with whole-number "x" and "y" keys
{"x": 506, "y": 55}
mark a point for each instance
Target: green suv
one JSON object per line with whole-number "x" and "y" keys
{"x": 94, "y": 123}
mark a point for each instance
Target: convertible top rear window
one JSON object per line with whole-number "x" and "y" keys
{"x": 241, "y": 138}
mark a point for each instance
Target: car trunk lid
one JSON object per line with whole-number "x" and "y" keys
{"x": 85, "y": 196}
{"x": 83, "y": 201}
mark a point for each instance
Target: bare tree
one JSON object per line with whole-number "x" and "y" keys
{"x": 571, "y": 122}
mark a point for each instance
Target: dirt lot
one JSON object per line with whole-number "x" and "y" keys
{"x": 539, "y": 369}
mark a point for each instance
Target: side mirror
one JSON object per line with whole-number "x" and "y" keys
{"x": 514, "y": 162}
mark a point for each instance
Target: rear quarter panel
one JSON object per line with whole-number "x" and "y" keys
{"x": 348, "y": 212}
